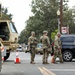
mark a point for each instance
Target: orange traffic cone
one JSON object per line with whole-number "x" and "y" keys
{"x": 52, "y": 61}
{"x": 2, "y": 59}
{"x": 2, "y": 51}
{"x": 17, "y": 61}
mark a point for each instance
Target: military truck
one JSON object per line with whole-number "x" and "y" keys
{"x": 9, "y": 36}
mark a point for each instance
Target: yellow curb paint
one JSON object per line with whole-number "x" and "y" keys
{"x": 45, "y": 71}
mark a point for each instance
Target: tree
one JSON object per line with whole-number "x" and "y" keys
{"x": 45, "y": 17}
{"x": 53, "y": 34}
{"x": 5, "y": 15}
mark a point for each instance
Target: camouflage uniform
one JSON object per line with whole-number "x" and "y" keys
{"x": 32, "y": 41}
{"x": 45, "y": 45}
{"x": 57, "y": 49}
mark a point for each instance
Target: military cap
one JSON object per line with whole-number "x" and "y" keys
{"x": 32, "y": 32}
{"x": 45, "y": 31}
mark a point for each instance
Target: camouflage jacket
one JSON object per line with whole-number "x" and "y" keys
{"x": 32, "y": 41}
{"x": 57, "y": 42}
{"x": 45, "y": 41}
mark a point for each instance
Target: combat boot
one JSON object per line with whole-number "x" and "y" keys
{"x": 47, "y": 63}
{"x": 30, "y": 62}
{"x": 44, "y": 63}
{"x": 61, "y": 62}
{"x": 33, "y": 62}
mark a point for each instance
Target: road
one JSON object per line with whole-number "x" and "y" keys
{"x": 25, "y": 68}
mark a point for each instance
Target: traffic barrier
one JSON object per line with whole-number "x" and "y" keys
{"x": 17, "y": 60}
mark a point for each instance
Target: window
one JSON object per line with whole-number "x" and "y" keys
{"x": 13, "y": 29}
{"x": 67, "y": 39}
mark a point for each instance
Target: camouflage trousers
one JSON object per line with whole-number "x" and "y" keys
{"x": 57, "y": 53}
{"x": 33, "y": 51}
{"x": 45, "y": 55}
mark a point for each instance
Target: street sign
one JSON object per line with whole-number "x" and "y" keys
{"x": 64, "y": 30}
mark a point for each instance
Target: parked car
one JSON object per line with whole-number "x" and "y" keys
{"x": 39, "y": 48}
{"x": 19, "y": 48}
{"x": 68, "y": 47}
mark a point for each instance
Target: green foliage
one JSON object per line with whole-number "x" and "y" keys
{"x": 53, "y": 34}
{"x": 45, "y": 18}
{"x": 5, "y": 15}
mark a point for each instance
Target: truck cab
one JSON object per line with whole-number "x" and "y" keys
{"x": 9, "y": 36}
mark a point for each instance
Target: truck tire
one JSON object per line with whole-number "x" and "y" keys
{"x": 41, "y": 53}
{"x": 7, "y": 56}
{"x": 67, "y": 56}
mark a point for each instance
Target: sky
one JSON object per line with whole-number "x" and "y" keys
{"x": 21, "y": 10}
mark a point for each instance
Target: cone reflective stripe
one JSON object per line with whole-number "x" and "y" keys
{"x": 17, "y": 54}
{"x": 17, "y": 60}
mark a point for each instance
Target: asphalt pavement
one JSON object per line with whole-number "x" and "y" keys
{"x": 25, "y": 68}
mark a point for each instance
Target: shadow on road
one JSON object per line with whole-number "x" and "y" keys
{"x": 9, "y": 61}
{"x": 12, "y": 73}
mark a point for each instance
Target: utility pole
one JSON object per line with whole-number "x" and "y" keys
{"x": 61, "y": 14}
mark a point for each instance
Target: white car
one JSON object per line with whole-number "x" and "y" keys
{"x": 19, "y": 48}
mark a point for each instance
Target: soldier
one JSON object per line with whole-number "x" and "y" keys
{"x": 45, "y": 45}
{"x": 32, "y": 43}
{"x": 57, "y": 48}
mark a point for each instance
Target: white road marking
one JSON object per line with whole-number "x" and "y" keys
{"x": 62, "y": 70}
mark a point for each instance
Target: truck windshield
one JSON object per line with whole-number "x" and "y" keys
{"x": 12, "y": 27}
{"x": 67, "y": 39}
